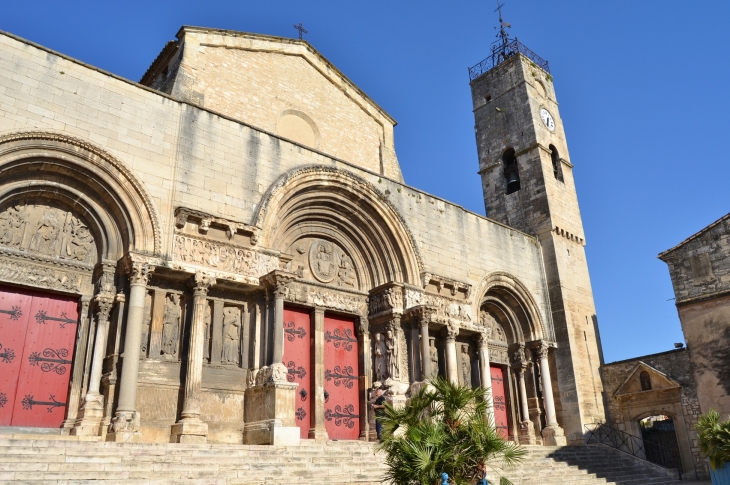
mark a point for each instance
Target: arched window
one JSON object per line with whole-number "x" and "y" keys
{"x": 557, "y": 167}
{"x": 645, "y": 381}
{"x": 511, "y": 173}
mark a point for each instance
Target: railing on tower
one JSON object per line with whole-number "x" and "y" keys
{"x": 503, "y": 51}
{"x": 633, "y": 445}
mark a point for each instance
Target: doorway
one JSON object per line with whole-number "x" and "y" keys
{"x": 341, "y": 382}
{"x": 37, "y": 335}
{"x": 660, "y": 441}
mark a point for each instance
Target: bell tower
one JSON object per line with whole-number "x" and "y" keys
{"x": 527, "y": 178}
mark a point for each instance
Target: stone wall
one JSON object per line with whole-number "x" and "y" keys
{"x": 193, "y": 157}
{"x": 624, "y": 409}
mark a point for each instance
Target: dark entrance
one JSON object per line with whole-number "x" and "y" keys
{"x": 660, "y": 441}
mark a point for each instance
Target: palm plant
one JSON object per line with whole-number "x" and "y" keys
{"x": 714, "y": 438}
{"x": 443, "y": 428}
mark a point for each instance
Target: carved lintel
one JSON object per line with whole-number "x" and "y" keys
{"x": 37, "y": 272}
{"x": 223, "y": 257}
{"x": 278, "y": 282}
{"x": 442, "y": 282}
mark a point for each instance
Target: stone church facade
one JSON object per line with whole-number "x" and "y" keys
{"x": 227, "y": 251}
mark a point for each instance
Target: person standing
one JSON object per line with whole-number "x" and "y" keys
{"x": 379, "y": 408}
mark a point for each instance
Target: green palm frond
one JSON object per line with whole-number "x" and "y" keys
{"x": 714, "y": 438}
{"x": 444, "y": 427}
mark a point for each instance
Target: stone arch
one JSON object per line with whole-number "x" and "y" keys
{"x": 298, "y": 126}
{"x": 79, "y": 176}
{"x": 339, "y": 206}
{"x": 507, "y": 300}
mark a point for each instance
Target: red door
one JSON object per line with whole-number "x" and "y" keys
{"x": 297, "y": 358}
{"x": 341, "y": 404}
{"x": 500, "y": 402}
{"x": 37, "y": 334}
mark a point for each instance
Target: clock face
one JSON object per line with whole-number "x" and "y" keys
{"x": 547, "y": 118}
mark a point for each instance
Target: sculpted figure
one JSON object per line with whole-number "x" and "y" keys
{"x": 12, "y": 224}
{"x": 323, "y": 263}
{"x": 391, "y": 346}
{"x": 208, "y": 321}
{"x": 347, "y": 271}
{"x": 46, "y": 236}
{"x": 231, "y": 335}
{"x": 433, "y": 351}
{"x": 81, "y": 241}
{"x": 381, "y": 372}
{"x": 465, "y": 365}
{"x": 171, "y": 325}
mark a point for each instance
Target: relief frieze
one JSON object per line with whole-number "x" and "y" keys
{"x": 44, "y": 273}
{"x": 223, "y": 257}
{"x": 326, "y": 298}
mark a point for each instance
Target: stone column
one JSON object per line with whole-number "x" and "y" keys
{"x": 190, "y": 429}
{"x": 317, "y": 431}
{"x": 553, "y": 434}
{"x": 363, "y": 337}
{"x": 415, "y": 357}
{"x": 93, "y": 408}
{"x": 125, "y": 424}
{"x": 520, "y": 365}
{"x": 424, "y": 318}
{"x": 452, "y": 367}
{"x": 74, "y": 395}
{"x": 485, "y": 375}
{"x": 278, "y": 283}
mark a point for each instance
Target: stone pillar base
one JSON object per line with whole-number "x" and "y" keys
{"x": 89, "y": 420}
{"x": 318, "y": 434}
{"x": 189, "y": 431}
{"x": 527, "y": 433}
{"x": 553, "y": 436}
{"x": 125, "y": 427}
{"x": 269, "y": 409}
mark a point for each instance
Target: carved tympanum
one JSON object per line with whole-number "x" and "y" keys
{"x": 47, "y": 230}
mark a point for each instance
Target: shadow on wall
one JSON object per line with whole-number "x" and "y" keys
{"x": 716, "y": 354}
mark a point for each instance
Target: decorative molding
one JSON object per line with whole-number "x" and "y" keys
{"x": 328, "y": 298}
{"x": 377, "y": 195}
{"x": 442, "y": 282}
{"x": 570, "y": 236}
{"x": 97, "y": 155}
{"x": 183, "y": 214}
{"x": 45, "y": 272}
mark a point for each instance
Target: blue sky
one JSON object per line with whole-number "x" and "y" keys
{"x": 643, "y": 88}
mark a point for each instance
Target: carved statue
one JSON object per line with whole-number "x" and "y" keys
{"x": 381, "y": 372}
{"x": 347, "y": 271}
{"x": 171, "y": 325}
{"x": 231, "y": 334}
{"x": 46, "y": 237}
{"x": 391, "y": 346}
{"x": 208, "y": 321}
{"x": 433, "y": 351}
{"x": 81, "y": 240}
{"x": 12, "y": 226}
{"x": 321, "y": 261}
{"x": 466, "y": 364}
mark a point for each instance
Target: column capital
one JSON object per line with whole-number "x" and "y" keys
{"x": 104, "y": 304}
{"x": 482, "y": 340}
{"x": 451, "y": 331}
{"x": 542, "y": 347}
{"x": 278, "y": 282}
{"x": 201, "y": 283}
{"x": 518, "y": 359}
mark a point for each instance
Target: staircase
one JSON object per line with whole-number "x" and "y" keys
{"x": 44, "y": 460}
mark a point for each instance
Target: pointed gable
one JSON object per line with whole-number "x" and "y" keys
{"x": 642, "y": 375}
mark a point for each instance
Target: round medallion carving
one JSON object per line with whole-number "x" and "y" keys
{"x": 323, "y": 261}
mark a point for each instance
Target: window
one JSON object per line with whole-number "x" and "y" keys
{"x": 645, "y": 381}
{"x": 511, "y": 173}
{"x": 557, "y": 166}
